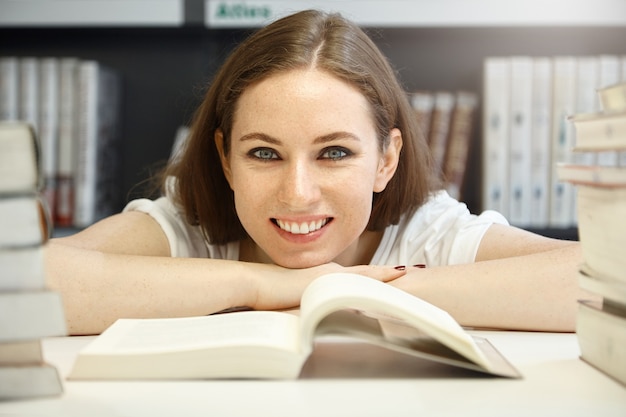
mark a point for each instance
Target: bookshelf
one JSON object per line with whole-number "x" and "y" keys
{"x": 166, "y": 50}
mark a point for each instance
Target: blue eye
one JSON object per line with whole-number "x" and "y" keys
{"x": 264, "y": 154}
{"x": 335, "y": 154}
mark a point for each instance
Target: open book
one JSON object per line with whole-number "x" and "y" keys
{"x": 267, "y": 344}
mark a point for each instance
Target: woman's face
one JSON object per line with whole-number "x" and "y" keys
{"x": 303, "y": 165}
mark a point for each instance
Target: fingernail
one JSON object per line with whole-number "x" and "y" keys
{"x": 419, "y": 266}
{"x": 400, "y": 267}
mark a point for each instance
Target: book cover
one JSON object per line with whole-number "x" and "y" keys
{"x": 26, "y": 315}
{"x": 597, "y": 132}
{"x": 22, "y": 268}
{"x": 23, "y": 221}
{"x": 18, "y": 382}
{"x": 613, "y": 97}
{"x": 610, "y": 289}
{"x": 19, "y": 159}
{"x": 601, "y": 228}
{"x": 21, "y": 353}
{"x": 601, "y": 334}
{"x": 593, "y": 175}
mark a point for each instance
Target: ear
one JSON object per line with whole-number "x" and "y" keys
{"x": 219, "y": 144}
{"x": 389, "y": 160}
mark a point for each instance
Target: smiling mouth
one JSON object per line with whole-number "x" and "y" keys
{"x": 301, "y": 228}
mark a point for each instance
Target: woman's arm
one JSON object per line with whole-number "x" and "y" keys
{"x": 121, "y": 267}
{"x": 520, "y": 281}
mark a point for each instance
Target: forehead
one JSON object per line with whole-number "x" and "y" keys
{"x": 305, "y": 96}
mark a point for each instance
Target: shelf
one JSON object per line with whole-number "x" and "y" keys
{"x": 92, "y": 13}
{"x": 255, "y": 13}
{"x": 426, "y": 13}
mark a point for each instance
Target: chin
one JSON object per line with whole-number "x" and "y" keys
{"x": 300, "y": 262}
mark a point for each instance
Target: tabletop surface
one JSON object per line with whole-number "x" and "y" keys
{"x": 345, "y": 379}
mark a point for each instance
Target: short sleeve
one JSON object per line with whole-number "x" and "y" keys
{"x": 441, "y": 232}
{"x": 185, "y": 241}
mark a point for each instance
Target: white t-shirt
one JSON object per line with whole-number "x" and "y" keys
{"x": 441, "y": 232}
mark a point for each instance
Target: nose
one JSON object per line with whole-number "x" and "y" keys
{"x": 299, "y": 186}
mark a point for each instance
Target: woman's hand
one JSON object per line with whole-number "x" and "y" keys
{"x": 282, "y": 288}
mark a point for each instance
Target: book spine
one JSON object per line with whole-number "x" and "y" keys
{"x": 29, "y": 91}
{"x": 423, "y": 103}
{"x": 9, "y": 88}
{"x": 622, "y": 154}
{"x": 48, "y": 127}
{"x": 21, "y": 269}
{"x": 540, "y": 142}
{"x": 34, "y": 315}
{"x": 108, "y": 180}
{"x": 495, "y": 134}
{"x": 586, "y": 98}
{"x": 562, "y": 198}
{"x": 87, "y": 152}
{"x": 66, "y": 163}
{"x": 21, "y": 220}
{"x": 98, "y": 170}
{"x": 440, "y": 127}
{"x": 520, "y": 141}
{"x": 609, "y": 74}
{"x": 601, "y": 338}
{"x": 611, "y": 290}
{"x": 459, "y": 143}
{"x": 606, "y": 132}
{"x": 601, "y": 229}
{"x": 27, "y": 381}
{"x": 21, "y": 353}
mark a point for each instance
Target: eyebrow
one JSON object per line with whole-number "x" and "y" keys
{"x": 330, "y": 137}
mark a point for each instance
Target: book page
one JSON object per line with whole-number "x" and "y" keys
{"x": 334, "y": 292}
{"x": 387, "y": 332}
{"x": 249, "y": 328}
{"x": 397, "y": 336}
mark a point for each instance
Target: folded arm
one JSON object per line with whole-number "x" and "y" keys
{"x": 519, "y": 281}
{"x": 121, "y": 267}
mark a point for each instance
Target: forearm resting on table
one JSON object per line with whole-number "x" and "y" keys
{"x": 536, "y": 292}
{"x": 97, "y": 288}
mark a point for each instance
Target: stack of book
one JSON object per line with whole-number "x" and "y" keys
{"x": 601, "y": 190}
{"x": 28, "y": 310}
{"x": 526, "y": 103}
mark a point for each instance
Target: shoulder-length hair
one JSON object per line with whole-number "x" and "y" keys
{"x": 305, "y": 39}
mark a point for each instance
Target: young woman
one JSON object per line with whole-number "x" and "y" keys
{"x": 305, "y": 158}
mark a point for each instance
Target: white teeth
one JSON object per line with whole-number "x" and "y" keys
{"x": 301, "y": 228}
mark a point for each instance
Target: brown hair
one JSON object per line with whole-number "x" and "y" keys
{"x": 309, "y": 38}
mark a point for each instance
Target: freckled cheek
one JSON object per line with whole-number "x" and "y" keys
{"x": 250, "y": 201}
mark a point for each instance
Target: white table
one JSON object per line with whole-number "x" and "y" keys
{"x": 355, "y": 380}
